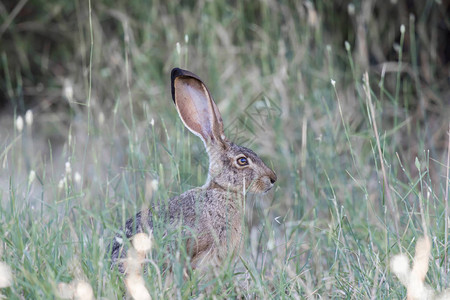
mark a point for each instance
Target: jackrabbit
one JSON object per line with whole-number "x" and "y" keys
{"x": 212, "y": 213}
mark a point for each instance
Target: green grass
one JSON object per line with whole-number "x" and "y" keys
{"x": 97, "y": 82}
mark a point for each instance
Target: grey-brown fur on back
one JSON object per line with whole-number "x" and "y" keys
{"x": 211, "y": 215}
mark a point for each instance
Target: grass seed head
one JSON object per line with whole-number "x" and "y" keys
{"x": 68, "y": 90}
{"x": 416, "y": 286}
{"x": 421, "y": 258}
{"x": 29, "y": 118}
{"x": 68, "y": 168}
{"x": 31, "y": 176}
{"x": 142, "y": 243}
{"x": 154, "y": 184}
{"x": 77, "y": 177}
{"x": 19, "y": 124}
{"x": 351, "y": 9}
{"x": 61, "y": 183}
{"x": 400, "y": 267}
{"x": 6, "y": 278}
{"x": 83, "y": 291}
{"x": 136, "y": 287}
{"x": 77, "y": 289}
{"x": 65, "y": 290}
{"x": 101, "y": 118}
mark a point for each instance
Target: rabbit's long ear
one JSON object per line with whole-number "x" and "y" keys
{"x": 196, "y": 107}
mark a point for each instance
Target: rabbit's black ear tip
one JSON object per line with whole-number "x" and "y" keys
{"x": 177, "y": 72}
{"x": 174, "y": 74}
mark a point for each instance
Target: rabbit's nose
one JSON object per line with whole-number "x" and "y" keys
{"x": 273, "y": 177}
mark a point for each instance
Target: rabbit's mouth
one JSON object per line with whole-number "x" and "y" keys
{"x": 263, "y": 185}
{"x": 268, "y": 188}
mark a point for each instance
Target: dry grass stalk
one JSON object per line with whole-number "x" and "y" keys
{"x": 390, "y": 201}
{"x": 414, "y": 279}
{"x": 416, "y": 285}
{"x": 135, "y": 258}
{"x": 446, "y": 201}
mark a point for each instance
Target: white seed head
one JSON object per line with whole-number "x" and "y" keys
{"x": 101, "y": 118}
{"x": 333, "y": 82}
{"x": 270, "y": 244}
{"x": 152, "y": 122}
{"x": 83, "y": 291}
{"x": 347, "y": 46}
{"x": 400, "y": 265}
{"x": 178, "y": 48}
{"x": 19, "y": 123}
{"x": 6, "y": 278}
{"x": 77, "y": 178}
{"x": 29, "y": 118}
{"x": 351, "y": 9}
{"x": 417, "y": 163}
{"x": 31, "y": 176}
{"x": 142, "y": 243}
{"x": 68, "y": 168}
{"x": 186, "y": 38}
{"x": 68, "y": 90}
{"x": 328, "y": 47}
{"x": 154, "y": 184}
{"x": 61, "y": 183}
{"x": 402, "y": 29}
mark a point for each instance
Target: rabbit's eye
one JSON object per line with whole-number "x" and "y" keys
{"x": 242, "y": 161}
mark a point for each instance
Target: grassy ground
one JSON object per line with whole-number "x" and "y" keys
{"x": 361, "y": 161}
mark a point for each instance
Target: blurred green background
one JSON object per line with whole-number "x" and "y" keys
{"x": 96, "y": 77}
